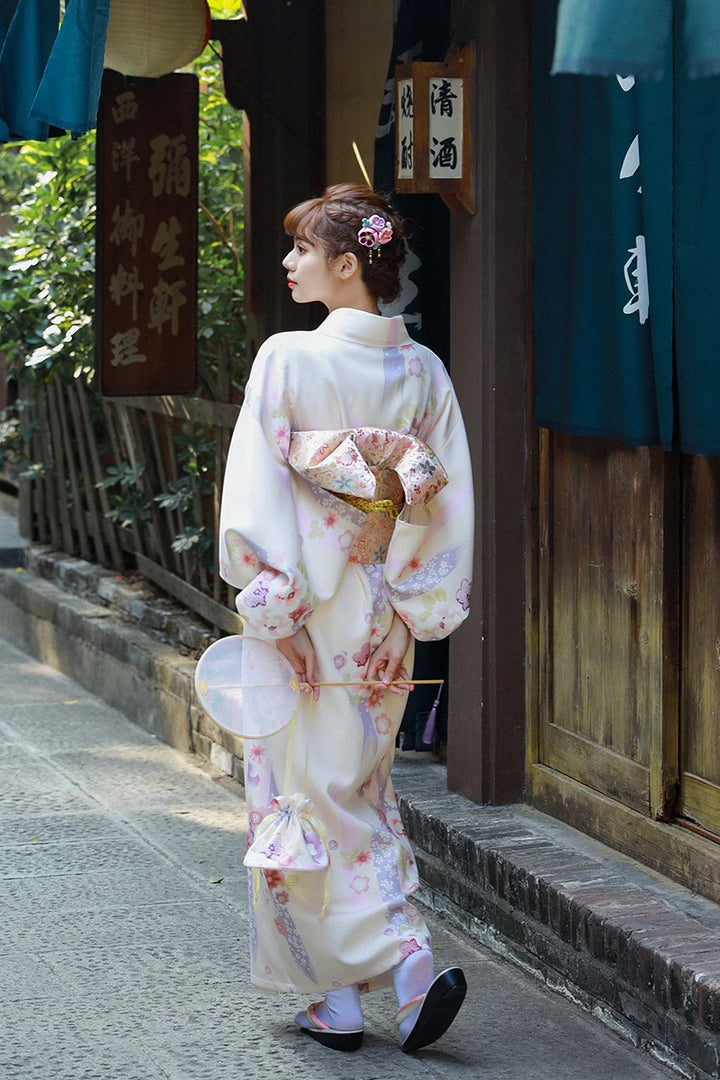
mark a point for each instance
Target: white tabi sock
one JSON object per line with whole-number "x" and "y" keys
{"x": 340, "y": 1010}
{"x": 411, "y": 978}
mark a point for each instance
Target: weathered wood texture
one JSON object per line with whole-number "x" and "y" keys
{"x": 489, "y": 259}
{"x": 628, "y": 640}
{"x": 699, "y": 797}
{"x": 80, "y": 436}
{"x": 608, "y": 635}
{"x": 602, "y": 568}
{"x": 677, "y": 853}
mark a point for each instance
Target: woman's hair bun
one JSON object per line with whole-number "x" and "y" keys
{"x": 335, "y": 219}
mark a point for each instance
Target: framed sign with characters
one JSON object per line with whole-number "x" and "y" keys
{"x": 433, "y": 111}
{"x": 146, "y": 301}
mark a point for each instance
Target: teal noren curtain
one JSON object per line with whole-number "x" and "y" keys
{"x": 626, "y": 217}
{"x": 602, "y": 37}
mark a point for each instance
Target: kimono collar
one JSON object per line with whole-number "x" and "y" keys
{"x": 362, "y": 327}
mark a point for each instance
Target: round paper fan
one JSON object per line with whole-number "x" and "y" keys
{"x": 247, "y": 686}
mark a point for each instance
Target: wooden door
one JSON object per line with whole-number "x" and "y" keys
{"x": 607, "y": 641}
{"x": 624, "y": 651}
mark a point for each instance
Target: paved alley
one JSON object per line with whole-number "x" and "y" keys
{"x": 123, "y": 952}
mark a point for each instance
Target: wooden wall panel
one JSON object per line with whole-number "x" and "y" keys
{"x": 700, "y": 684}
{"x": 604, "y": 590}
{"x": 602, "y": 613}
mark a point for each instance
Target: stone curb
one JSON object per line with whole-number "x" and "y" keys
{"x": 121, "y": 640}
{"x": 133, "y": 598}
{"x": 640, "y": 952}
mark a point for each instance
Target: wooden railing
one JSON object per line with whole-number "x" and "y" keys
{"x": 79, "y": 438}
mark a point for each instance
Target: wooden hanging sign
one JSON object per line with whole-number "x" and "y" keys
{"x": 433, "y": 128}
{"x": 146, "y": 300}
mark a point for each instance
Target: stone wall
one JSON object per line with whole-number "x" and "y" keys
{"x": 85, "y": 621}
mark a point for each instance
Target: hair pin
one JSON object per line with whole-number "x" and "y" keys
{"x": 374, "y": 233}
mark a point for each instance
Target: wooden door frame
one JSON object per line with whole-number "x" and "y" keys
{"x": 488, "y": 347}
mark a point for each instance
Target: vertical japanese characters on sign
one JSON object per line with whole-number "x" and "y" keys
{"x": 433, "y": 127}
{"x": 124, "y": 283}
{"x": 446, "y": 128}
{"x": 147, "y": 203}
{"x": 406, "y": 128}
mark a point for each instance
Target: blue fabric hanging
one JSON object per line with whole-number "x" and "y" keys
{"x": 70, "y": 87}
{"x": 604, "y": 362}
{"x": 697, "y": 269}
{"x": 50, "y": 78}
{"x": 601, "y": 369}
{"x": 7, "y": 10}
{"x": 25, "y": 51}
{"x": 605, "y": 37}
{"x": 701, "y": 38}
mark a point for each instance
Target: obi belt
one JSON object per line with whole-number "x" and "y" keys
{"x": 376, "y": 471}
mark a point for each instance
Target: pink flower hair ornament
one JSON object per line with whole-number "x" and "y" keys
{"x": 374, "y": 233}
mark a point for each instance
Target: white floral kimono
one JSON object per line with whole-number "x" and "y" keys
{"x": 347, "y": 496}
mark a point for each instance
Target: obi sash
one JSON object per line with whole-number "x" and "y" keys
{"x": 375, "y": 471}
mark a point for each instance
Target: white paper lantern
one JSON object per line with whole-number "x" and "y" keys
{"x": 149, "y": 38}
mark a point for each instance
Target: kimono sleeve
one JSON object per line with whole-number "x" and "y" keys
{"x": 428, "y": 570}
{"x": 263, "y": 511}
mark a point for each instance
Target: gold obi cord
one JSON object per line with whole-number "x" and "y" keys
{"x": 373, "y": 540}
{"x": 387, "y": 507}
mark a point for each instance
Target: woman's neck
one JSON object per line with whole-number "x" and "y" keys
{"x": 354, "y": 294}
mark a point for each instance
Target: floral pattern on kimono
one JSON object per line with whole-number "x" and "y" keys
{"x": 285, "y": 542}
{"x": 354, "y": 407}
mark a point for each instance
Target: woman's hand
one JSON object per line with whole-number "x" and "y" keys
{"x": 298, "y": 649}
{"x": 386, "y": 662}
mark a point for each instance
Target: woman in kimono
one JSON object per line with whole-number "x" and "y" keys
{"x": 347, "y": 526}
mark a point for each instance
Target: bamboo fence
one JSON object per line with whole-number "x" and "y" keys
{"x": 77, "y": 436}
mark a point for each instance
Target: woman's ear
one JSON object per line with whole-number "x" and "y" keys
{"x": 346, "y": 265}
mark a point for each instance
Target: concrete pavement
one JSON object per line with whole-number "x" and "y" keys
{"x": 123, "y": 925}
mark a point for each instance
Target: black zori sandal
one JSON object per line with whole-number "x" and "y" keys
{"x": 436, "y": 1009}
{"x": 330, "y": 1037}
